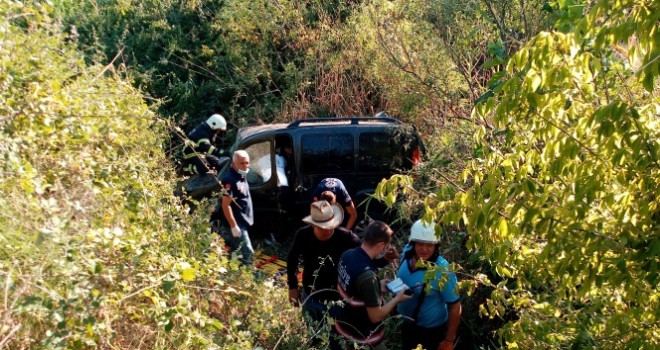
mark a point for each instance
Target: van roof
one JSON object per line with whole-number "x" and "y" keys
{"x": 253, "y": 130}
{"x": 378, "y": 119}
{"x": 243, "y": 133}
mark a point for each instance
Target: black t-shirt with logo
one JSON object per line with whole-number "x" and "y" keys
{"x": 237, "y": 187}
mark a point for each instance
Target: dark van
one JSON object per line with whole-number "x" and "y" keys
{"x": 359, "y": 151}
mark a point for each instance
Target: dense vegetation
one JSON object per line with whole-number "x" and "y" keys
{"x": 261, "y": 60}
{"x": 561, "y": 205}
{"x": 96, "y": 252}
{"x": 541, "y": 121}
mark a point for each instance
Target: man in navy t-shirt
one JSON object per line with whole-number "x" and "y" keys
{"x": 341, "y": 194}
{"x": 236, "y": 205}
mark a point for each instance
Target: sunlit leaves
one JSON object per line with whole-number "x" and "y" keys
{"x": 388, "y": 190}
{"x": 95, "y": 251}
{"x": 563, "y": 203}
{"x": 187, "y": 272}
{"x": 397, "y": 44}
{"x": 593, "y": 148}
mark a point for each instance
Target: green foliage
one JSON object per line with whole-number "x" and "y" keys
{"x": 558, "y": 197}
{"x": 398, "y": 49}
{"x": 561, "y": 199}
{"x": 630, "y": 27}
{"x": 197, "y": 57}
{"x": 480, "y": 35}
{"x": 260, "y": 61}
{"x": 425, "y": 61}
{"x": 96, "y": 252}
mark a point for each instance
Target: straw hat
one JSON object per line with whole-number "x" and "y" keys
{"x": 325, "y": 215}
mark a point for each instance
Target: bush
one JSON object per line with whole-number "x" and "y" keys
{"x": 96, "y": 252}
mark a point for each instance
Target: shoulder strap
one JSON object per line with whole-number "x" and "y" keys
{"x": 420, "y": 301}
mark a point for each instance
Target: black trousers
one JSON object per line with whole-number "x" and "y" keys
{"x": 210, "y": 162}
{"x": 430, "y": 338}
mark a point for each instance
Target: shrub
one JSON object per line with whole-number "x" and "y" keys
{"x": 96, "y": 252}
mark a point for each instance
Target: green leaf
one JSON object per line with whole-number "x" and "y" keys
{"x": 503, "y": 271}
{"x": 496, "y": 79}
{"x": 530, "y": 187}
{"x": 647, "y": 81}
{"x": 481, "y": 218}
{"x": 547, "y": 7}
{"x": 169, "y": 325}
{"x": 217, "y": 324}
{"x": 536, "y": 82}
{"x": 484, "y": 97}
{"x": 168, "y": 285}
{"x": 492, "y": 63}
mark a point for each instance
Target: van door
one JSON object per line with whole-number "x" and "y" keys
{"x": 326, "y": 154}
{"x": 263, "y": 183}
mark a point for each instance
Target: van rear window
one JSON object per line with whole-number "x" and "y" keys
{"x": 379, "y": 152}
{"x": 327, "y": 153}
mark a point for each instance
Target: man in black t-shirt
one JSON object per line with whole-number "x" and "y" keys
{"x": 236, "y": 207}
{"x": 320, "y": 244}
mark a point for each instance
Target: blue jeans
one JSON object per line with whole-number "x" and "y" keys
{"x": 240, "y": 244}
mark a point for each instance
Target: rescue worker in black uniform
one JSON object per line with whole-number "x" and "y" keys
{"x": 199, "y": 153}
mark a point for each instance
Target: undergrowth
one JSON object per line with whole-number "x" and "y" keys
{"x": 95, "y": 250}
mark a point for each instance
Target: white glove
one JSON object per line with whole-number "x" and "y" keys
{"x": 236, "y": 231}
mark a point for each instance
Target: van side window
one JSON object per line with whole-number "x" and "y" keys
{"x": 379, "y": 152}
{"x": 327, "y": 154}
{"x": 260, "y": 163}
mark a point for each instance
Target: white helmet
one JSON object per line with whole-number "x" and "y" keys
{"x": 424, "y": 233}
{"x": 217, "y": 122}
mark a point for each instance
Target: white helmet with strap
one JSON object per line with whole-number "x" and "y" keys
{"x": 217, "y": 122}
{"x": 423, "y": 233}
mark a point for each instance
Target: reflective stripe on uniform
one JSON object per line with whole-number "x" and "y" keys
{"x": 189, "y": 155}
{"x": 191, "y": 168}
{"x": 351, "y": 301}
{"x": 191, "y": 146}
{"x": 372, "y": 339}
